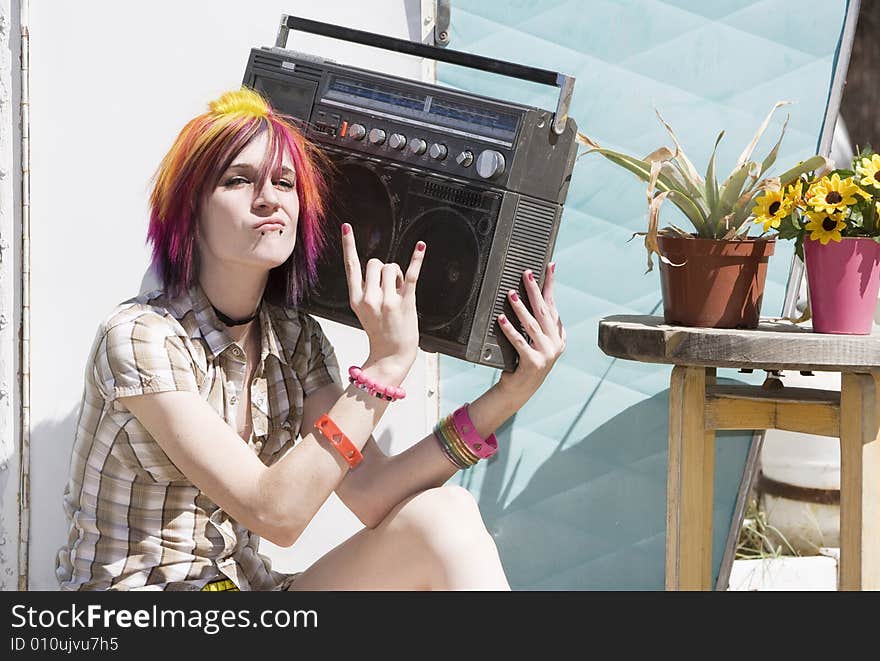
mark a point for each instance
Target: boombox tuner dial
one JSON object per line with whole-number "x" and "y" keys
{"x": 357, "y": 131}
{"x": 417, "y": 146}
{"x": 437, "y": 151}
{"x": 377, "y": 136}
{"x": 490, "y": 164}
{"x": 397, "y": 141}
{"x": 465, "y": 158}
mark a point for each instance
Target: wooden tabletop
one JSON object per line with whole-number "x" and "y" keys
{"x": 774, "y": 345}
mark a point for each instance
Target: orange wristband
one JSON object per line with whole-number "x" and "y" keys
{"x": 339, "y": 440}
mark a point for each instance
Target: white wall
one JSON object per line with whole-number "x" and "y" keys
{"x": 111, "y": 85}
{"x": 10, "y": 184}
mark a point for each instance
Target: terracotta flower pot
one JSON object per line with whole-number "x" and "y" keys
{"x": 844, "y": 279}
{"x": 720, "y": 284}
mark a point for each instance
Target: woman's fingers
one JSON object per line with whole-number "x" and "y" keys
{"x": 372, "y": 283}
{"x": 541, "y": 310}
{"x": 391, "y": 281}
{"x": 547, "y": 291}
{"x": 516, "y": 339}
{"x": 532, "y": 327}
{"x": 352, "y": 263}
{"x": 413, "y": 270}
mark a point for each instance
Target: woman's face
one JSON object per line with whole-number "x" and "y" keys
{"x": 242, "y": 225}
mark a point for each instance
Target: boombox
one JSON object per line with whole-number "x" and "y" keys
{"x": 481, "y": 181}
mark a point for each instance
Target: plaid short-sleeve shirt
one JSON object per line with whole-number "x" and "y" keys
{"x": 136, "y": 521}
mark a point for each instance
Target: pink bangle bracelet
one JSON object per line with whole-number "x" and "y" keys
{"x": 482, "y": 447}
{"x": 359, "y": 379}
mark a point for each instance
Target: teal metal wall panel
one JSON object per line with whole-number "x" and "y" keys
{"x": 576, "y": 496}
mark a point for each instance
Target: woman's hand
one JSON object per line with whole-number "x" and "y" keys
{"x": 546, "y": 331}
{"x": 384, "y": 301}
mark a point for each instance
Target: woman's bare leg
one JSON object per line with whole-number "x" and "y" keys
{"x": 435, "y": 540}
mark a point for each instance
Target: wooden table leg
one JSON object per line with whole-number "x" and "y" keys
{"x": 689, "y": 486}
{"x": 859, "y": 484}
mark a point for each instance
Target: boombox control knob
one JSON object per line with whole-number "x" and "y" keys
{"x": 490, "y": 164}
{"x": 377, "y": 136}
{"x": 417, "y": 146}
{"x": 465, "y": 158}
{"x": 357, "y": 131}
{"x": 397, "y": 141}
{"x": 437, "y": 151}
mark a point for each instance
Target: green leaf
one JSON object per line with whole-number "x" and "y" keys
{"x": 788, "y": 229}
{"x": 730, "y": 191}
{"x": 643, "y": 171}
{"x": 771, "y": 157}
{"x": 711, "y": 179}
{"x": 811, "y": 164}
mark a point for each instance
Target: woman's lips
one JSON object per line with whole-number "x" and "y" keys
{"x": 270, "y": 227}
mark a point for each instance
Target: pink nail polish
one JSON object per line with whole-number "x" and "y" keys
{"x": 513, "y": 296}
{"x": 552, "y": 267}
{"x": 346, "y": 228}
{"x": 420, "y": 246}
{"x": 502, "y": 319}
{"x": 530, "y": 276}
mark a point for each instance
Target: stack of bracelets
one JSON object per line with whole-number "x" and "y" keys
{"x": 460, "y": 442}
{"x": 456, "y": 434}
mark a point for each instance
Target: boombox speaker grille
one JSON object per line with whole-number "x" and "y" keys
{"x": 531, "y": 239}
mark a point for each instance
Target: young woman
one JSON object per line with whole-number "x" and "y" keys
{"x": 186, "y": 450}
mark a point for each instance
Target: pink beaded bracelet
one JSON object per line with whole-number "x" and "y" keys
{"x": 359, "y": 379}
{"x": 482, "y": 447}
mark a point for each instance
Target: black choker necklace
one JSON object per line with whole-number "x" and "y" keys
{"x": 229, "y": 321}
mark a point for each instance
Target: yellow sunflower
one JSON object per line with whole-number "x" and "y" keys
{"x": 869, "y": 168}
{"x": 833, "y": 194}
{"x": 825, "y": 226}
{"x": 770, "y": 208}
{"x": 794, "y": 193}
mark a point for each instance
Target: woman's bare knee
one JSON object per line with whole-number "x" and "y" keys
{"x": 445, "y": 524}
{"x": 445, "y": 511}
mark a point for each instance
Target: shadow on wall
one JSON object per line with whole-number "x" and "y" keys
{"x": 52, "y": 531}
{"x": 593, "y": 516}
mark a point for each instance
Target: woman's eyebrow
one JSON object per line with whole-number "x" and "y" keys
{"x": 253, "y": 168}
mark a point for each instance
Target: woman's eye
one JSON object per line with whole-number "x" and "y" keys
{"x": 284, "y": 183}
{"x": 234, "y": 181}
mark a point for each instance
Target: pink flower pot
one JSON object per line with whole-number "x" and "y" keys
{"x": 844, "y": 279}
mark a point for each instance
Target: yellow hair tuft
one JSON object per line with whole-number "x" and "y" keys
{"x": 244, "y": 102}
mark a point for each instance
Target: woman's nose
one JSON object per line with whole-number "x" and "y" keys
{"x": 267, "y": 196}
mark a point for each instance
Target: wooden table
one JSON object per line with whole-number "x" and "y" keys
{"x": 698, "y": 407}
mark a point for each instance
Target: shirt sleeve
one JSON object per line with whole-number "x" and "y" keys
{"x": 323, "y": 367}
{"x": 143, "y": 354}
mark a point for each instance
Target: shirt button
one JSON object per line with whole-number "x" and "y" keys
{"x": 236, "y": 351}
{"x": 233, "y": 400}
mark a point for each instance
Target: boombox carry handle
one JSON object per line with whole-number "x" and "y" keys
{"x": 563, "y": 82}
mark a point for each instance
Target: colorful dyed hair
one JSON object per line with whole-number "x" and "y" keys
{"x": 203, "y": 150}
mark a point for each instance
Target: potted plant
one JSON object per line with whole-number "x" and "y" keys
{"x": 834, "y": 219}
{"x": 713, "y": 276}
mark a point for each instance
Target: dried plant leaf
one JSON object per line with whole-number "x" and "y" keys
{"x": 651, "y": 244}
{"x": 731, "y": 234}
{"x": 677, "y": 230}
{"x": 747, "y": 153}
{"x": 806, "y": 316}
{"x": 689, "y": 171}
{"x": 659, "y": 154}
{"x": 584, "y": 140}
